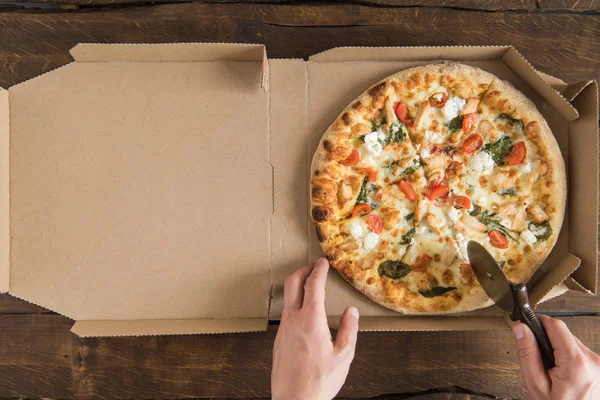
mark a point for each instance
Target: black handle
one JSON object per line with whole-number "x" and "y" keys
{"x": 526, "y": 315}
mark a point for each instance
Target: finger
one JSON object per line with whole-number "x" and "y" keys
{"x": 565, "y": 347}
{"x": 530, "y": 359}
{"x": 293, "y": 288}
{"x": 587, "y": 351}
{"x": 347, "y": 330}
{"x": 314, "y": 289}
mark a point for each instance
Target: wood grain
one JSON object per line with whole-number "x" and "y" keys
{"x": 484, "y": 5}
{"x": 13, "y": 305}
{"x": 35, "y": 42}
{"x": 39, "y": 357}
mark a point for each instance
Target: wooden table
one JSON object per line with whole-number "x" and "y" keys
{"x": 39, "y": 357}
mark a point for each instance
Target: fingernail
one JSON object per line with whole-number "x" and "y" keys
{"x": 518, "y": 331}
{"x": 322, "y": 259}
{"x": 354, "y": 312}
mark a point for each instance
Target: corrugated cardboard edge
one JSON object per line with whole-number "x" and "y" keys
{"x": 382, "y": 324}
{"x": 167, "y": 327}
{"x": 173, "y": 52}
{"x": 557, "y": 274}
{"x": 4, "y": 193}
{"x": 525, "y": 71}
{"x": 585, "y": 127}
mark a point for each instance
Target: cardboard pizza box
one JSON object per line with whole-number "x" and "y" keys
{"x": 163, "y": 189}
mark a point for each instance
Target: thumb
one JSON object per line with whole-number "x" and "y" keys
{"x": 534, "y": 375}
{"x": 347, "y": 330}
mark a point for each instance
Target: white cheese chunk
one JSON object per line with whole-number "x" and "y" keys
{"x": 481, "y": 162}
{"x": 370, "y": 241}
{"x": 527, "y": 168}
{"x": 537, "y": 230}
{"x": 373, "y": 144}
{"x": 528, "y": 236}
{"x": 453, "y": 214}
{"x": 438, "y": 96}
{"x": 453, "y": 107}
{"x": 356, "y": 229}
{"x": 461, "y": 247}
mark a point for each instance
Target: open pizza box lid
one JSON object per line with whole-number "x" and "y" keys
{"x": 162, "y": 189}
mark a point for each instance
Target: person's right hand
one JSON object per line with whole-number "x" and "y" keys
{"x": 576, "y": 374}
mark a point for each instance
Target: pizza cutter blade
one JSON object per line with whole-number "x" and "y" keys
{"x": 511, "y": 298}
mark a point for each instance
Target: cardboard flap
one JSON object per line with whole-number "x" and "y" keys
{"x": 4, "y": 193}
{"x": 167, "y": 327}
{"x": 526, "y": 72}
{"x": 122, "y": 206}
{"x": 340, "y": 54}
{"x": 573, "y": 90}
{"x": 557, "y": 274}
{"x": 583, "y": 189}
{"x": 173, "y": 52}
{"x": 407, "y": 323}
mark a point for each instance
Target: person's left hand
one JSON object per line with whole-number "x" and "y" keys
{"x": 307, "y": 363}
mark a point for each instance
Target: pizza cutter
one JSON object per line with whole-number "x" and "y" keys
{"x": 511, "y": 298}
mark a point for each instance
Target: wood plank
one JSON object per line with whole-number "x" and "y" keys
{"x": 41, "y": 358}
{"x": 35, "y": 42}
{"x": 36, "y": 356}
{"x": 571, "y": 5}
{"x": 482, "y": 5}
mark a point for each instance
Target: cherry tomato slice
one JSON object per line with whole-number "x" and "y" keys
{"x": 438, "y": 191}
{"x": 421, "y": 264}
{"x": 434, "y": 102}
{"x": 461, "y": 202}
{"x": 372, "y": 175}
{"x": 408, "y": 190}
{"x": 352, "y": 159}
{"x": 497, "y": 239}
{"x": 402, "y": 114}
{"x": 469, "y": 121}
{"x": 375, "y": 223}
{"x": 472, "y": 143}
{"x": 467, "y": 274}
{"x": 361, "y": 209}
{"x": 517, "y": 154}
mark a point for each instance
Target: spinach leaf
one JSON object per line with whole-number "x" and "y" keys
{"x": 413, "y": 168}
{"x": 542, "y": 230}
{"x": 501, "y": 264}
{"x": 407, "y": 237}
{"x": 410, "y": 216}
{"x": 475, "y": 211}
{"x": 393, "y": 269}
{"x": 455, "y": 124}
{"x": 511, "y": 191}
{"x": 515, "y": 121}
{"x": 365, "y": 191}
{"x": 378, "y": 124}
{"x": 387, "y": 168}
{"x": 396, "y": 133}
{"x": 485, "y": 218}
{"x": 499, "y": 150}
{"x": 436, "y": 291}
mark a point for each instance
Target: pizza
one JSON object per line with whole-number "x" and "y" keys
{"x": 421, "y": 163}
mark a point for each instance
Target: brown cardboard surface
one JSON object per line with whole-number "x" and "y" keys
{"x": 333, "y": 85}
{"x": 583, "y": 189}
{"x": 4, "y": 193}
{"x": 173, "y": 52}
{"x": 413, "y": 53}
{"x": 289, "y": 239}
{"x": 167, "y": 327}
{"x": 548, "y": 282}
{"x": 122, "y": 205}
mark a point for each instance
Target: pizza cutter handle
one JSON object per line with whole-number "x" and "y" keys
{"x": 526, "y": 315}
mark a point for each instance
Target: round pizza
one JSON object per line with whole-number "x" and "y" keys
{"x": 423, "y": 162}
